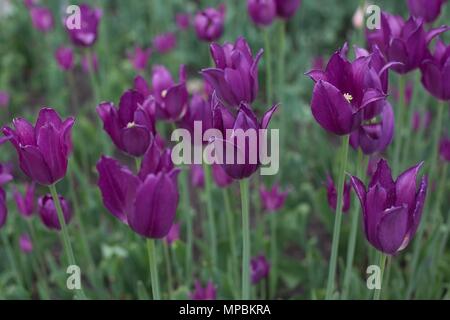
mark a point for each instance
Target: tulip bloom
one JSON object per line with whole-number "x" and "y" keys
{"x": 147, "y": 202}
{"x": 404, "y": 42}
{"x": 199, "y": 109}
{"x": 197, "y": 176}
{"x": 391, "y": 210}
{"x": 5, "y": 174}
{"x": 207, "y": 293}
{"x": 25, "y": 203}
{"x": 436, "y": 72}
{"x": 183, "y": 21}
{"x": 347, "y": 93}
{"x": 287, "y": 8}
{"x": 259, "y": 268}
{"x": 332, "y": 195}
{"x": 87, "y": 34}
{"x": 42, "y": 18}
{"x": 25, "y": 243}
{"x": 273, "y": 199}
{"x": 44, "y": 149}
{"x": 220, "y": 177}
{"x": 235, "y": 78}
{"x": 64, "y": 58}
{"x": 139, "y": 58}
{"x": 262, "y": 12}
{"x": 174, "y": 234}
{"x": 209, "y": 23}
{"x": 429, "y": 10}
{"x": 242, "y": 165}
{"x": 131, "y": 126}
{"x": 444, "y": 149}
{"x": 164, "y": 43}
{"x": 48, "y": 213}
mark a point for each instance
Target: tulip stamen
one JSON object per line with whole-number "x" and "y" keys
{"x": 164, "y": 93}
{"x": 348, "y": 97}
{"x": 131, "y": 124}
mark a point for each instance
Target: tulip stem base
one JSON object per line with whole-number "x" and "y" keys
{"x": 382, "y": 265}
{"x": 153, "y": 269}
{"x": 211, "y": 220}
{"x": 244, "y": 185}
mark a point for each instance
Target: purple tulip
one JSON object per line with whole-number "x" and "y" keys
{"x": 197, "y": 176}
{"x": 3, "y": 207}
{"x": 89, "y": 63}
{"x": 87, "y": 34}
{"x": 4, "y": 99}
{"x": 64, "y": 58}
{"x": 5, "y": 174}
{"x": 262, "y": 12}
{"x": 207, "y": 293}
{"x": 131, "y": 126}
{"x": 259, "y": 268}
{"x": 209, "y": 23}
{"x": 220, "y": 177}
{"x": 44, "y": 149}
{"x": 242, "y": 165}
{"x": 48, "y": 213}
{"x": 165, "y": 42}
{"x": 391, "y": 210}
{"x": 147, "y": 202}
{"x": 174, "y": 234}
{"x": 139, "y": 58}
{"x": 444, "y": 149}
{"x": 375, "y": 136}
{"x": 183, "y": 21}
{"x": 436, "y": 72}
{"x": 25, "y": 244}
{"x": 25, "y": 203}
{"x": 273, "y": 199}
{"x": 42, "y": 18}
{"x": 29, "y": 3}
{"x": 347, "y": 93}
{"x": 235, "y": 78}
{"x": 404, "y": 42}
{"x": 332, "y": 195}
{"x": 199, "y": 109}
{"x": 429, "y": 10}
{"x": 287, "y": 8}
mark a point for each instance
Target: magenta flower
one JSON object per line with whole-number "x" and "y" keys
{"x": 88, "y": 33}
{"x": 139, "y": 58}
{"x": 44, "y": 149}
{"x": 25, "y": 243}
{"x": 262, "y": 12}
{"x": 235, "y": 78}
{"x": 174, "y": 234}
{"x": 332, "y": 195}
{"x": 220, "y": 177}
{"x": 207, "y": 293}
{"x": 347, "y": 93}
{"x": 391, "y": 210}
{"x": 4, "y": 99}
{"x": 131, "y": 126}
{"x": 183, "y": 21}
{"x": 273, "y": 199}
{"x": 5, "y": 174}
{"x": 209, "y": 23}
{"x": 42, "y": 18}
{"x": 444, "y": 149}
{"x": 259, "y": 268}
{"x": 147, "y": 202}
{"x": 165, "y": 42}
{"x": 199, "y": 109}
{"x": 246, "y": 158}
{"x": 436, "y": 72}
{"x": 429, "y": 10}
{"x": 64, "y": 57}
{"x": 89, "y": 63}
{"x": 404, "y": 42}
{"x": 25, "y": 203}
{"x": 197, "y": 176}
{"x": 48, "y": 213}
{"x": 287, "y": 8}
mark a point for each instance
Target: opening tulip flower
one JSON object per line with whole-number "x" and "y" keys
{"x": 429, "y": 10}
{"x": 44, "y": 149}
{"x": 48, "y": 213}
{"x": 86, "y": 35}
{"x": 25, "y": 203}
{"x": 235, "y": 78}
{"x": 131, "y": 126}
{"x": 403, "y": 41}
{"x": 209, "y": 23}
{"x": 391, "y": 210}
{"x": 146, "y": 202}
{"x": 436, "y": 72}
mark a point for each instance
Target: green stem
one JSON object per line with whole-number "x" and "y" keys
{"x": 268, "y": 65}
{"x": 399, "y": 125}
{"x": 337, "y": 220}
{"x": 353, "y": 233}
{"x": 137, "y": 163}
{"x": 231, "y": 231}
{"x": 12, "y": 260}
{"x": 65, "y": 234}
{"x": 281, "y": 86}
{"x": 245, "y": 239}
{"x": 189, "y": 226}
{"x": 273, "y": 255}
{"x": 168, "y": 270}
{"x": 153, "y": 269}
{"x": 382, "y": 259}
{"x": 211, "y": 220}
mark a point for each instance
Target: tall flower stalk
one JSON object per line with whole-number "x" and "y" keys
{"x": 244, "y": 187}
{"x": 211, "y": 218}
{"x": 152, "y": 260}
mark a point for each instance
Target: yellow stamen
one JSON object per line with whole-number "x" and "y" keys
{"x": 131, "y": 124}
{"x": 348, "y": 97}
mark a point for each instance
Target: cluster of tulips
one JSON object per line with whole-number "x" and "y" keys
{"x": 152, "y": 197}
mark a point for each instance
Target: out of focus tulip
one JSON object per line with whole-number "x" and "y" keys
{"x": 209, "y": 23}
{"x": 25, "y": 202}
{"x": 165, "y": 42}
{"x": 207, "y": 293}
{"x": 262, "y": 12}
{"x": 48, "y": 213}
{"x": 87, "y": 34}
{"x": 332, "y": 195}
{"x": 272, "y": 199}
{"x": 259, "y": 268}
{"x": 139, "y": 58}
{"x": 436, "y": 72}
{"x": 429, "y": 10}
{"x": 64, "y": 58}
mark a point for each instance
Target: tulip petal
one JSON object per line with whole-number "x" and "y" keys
{"x": 136, "y": 140}
{"x": 53, "y": 151}
{"x": 406, "y": 188}
{"x": 47, "y": 115}
{"x": 268, "y": 116}
{"x": 392, "y": 229}
{"x": 24, "y": 132}
{"x": 128, "y": 104}
{"x": 111, "y": 123}
{"x": 34, "y": 166}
